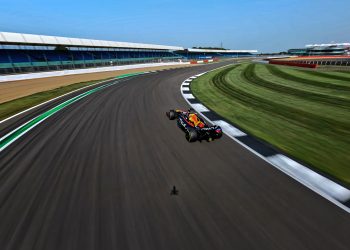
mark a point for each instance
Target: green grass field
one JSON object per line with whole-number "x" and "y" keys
{"x": 302, "y": 112}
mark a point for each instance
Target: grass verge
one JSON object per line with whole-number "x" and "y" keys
{"x": 12, "y": 107}
{"x": 294, "y": 117}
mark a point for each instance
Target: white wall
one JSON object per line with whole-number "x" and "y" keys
{"x": 7, "y": 78}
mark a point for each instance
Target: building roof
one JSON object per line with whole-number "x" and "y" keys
{"x": 221, "y": 51}
{"x": 327, "y": 45}
{"x": 30, "y": 39}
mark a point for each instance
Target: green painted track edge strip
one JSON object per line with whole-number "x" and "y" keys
{"x": 9, "y": 138}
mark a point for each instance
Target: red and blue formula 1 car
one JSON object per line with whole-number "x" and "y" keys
{"x": 194, "y": 127}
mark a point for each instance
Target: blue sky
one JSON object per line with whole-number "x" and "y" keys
{"x": 266, "y": 25}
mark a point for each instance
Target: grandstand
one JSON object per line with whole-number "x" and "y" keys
{"x": 332, "y": 49}
{"x": 214, "y": 53}
{"x": 20, "y": 53}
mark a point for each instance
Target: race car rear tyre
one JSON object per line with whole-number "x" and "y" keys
{"x": 172, "y": 114}
{"x": 192, "y": 135}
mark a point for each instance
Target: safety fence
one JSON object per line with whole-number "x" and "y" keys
{"x": 29, "y": 67}
{"x": 37, "y": 75}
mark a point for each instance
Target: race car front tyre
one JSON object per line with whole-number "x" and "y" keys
{"x": 172, "y": 114}
{"x": 191, "y": 135}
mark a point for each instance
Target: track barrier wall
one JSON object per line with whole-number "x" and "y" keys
{"x": 296, "y": 64}
{"x": 7, "y": 78}
{"x": 204, "y": 61}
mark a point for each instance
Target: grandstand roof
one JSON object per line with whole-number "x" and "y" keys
{"x": 327, "y": 45}
{"x": 30, "y": 39}
{"x": 221, "y": 51}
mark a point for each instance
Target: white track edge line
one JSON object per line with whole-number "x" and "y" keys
{"x": 53, "y": 99}
{"x": 58, "y": 97}
{"x": 315, "y": 189}
{"x": 82, "y": 95}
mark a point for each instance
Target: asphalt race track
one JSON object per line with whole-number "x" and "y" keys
{"x": 98, "y": 175}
